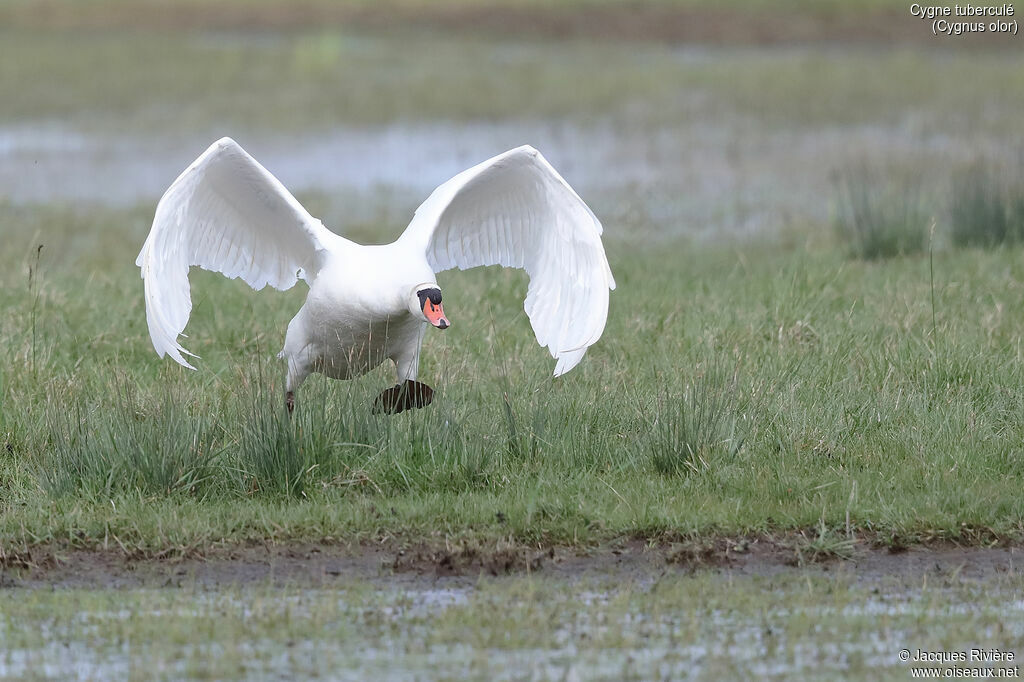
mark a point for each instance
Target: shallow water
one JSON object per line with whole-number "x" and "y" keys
{"x": 711, "y": 145}
{"x": 705, "y": 177}
{"x": 680, "y": 628}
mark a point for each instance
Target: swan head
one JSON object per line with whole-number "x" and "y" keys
{"x": 426, "y": 302}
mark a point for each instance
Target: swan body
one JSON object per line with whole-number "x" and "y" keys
{"x": 370, "y": 303}
{"x": 357, "y": 315}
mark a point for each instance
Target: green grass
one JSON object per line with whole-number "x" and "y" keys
{"x": 828, "y": 398}
{"x": 880, "y": 216}
{"x": 179, "y": 83}
{"x": 987, "y": 206}
{"x": 739, "y": 388}
{"x": 785, "y": 627}
{"x": 694, "y": 429}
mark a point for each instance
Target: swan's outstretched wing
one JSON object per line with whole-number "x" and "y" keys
{"x": 516, "y": 210}
{"x": 228, "y": 214}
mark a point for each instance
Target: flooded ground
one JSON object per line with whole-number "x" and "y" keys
{"x": 695, "y": 141}
{"x": 697, "y": 179}
{"x": 630, "y": 617}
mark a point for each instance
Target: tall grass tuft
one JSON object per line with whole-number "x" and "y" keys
{"x": 270, "y": 456}
{"x": 154, "y": 447}
{"x": 430, "y": 449}
{"x": 689, "y": 431}
{"x": 331, "y": 431}
{"x": 986, "y": 207}
{"x": 879, "y": 220}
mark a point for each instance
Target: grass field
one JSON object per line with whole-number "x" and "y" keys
{"x": 814, "y": 346}
{"x": 769, "y": 384}
{"x": 738, "y": 389}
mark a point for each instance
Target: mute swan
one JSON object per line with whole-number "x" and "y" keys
{"x": 228, "y": 214}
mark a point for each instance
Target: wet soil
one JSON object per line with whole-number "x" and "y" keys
{"x": 405, "y": 565}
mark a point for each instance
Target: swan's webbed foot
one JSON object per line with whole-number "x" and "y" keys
{"x": 289, "y": 402}
{"x": 403, "y": 397}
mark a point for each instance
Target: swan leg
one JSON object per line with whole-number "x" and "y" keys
{"x": 299, "y": 355}
{"x": 297, "y": 373}
{"x": 407, "y": 359}
{"x": 408, "y": 393}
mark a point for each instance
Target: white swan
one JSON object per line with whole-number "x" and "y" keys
{"x": 228, "y": 214}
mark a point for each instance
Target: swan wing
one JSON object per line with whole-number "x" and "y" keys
{"x": 225, "y": 213}
{"x": 516, "y": 210}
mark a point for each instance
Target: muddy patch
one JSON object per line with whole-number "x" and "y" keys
{"x": 412, "y": 565}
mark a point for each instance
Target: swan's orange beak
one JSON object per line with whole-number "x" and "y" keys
{"x": 434, "y": 313}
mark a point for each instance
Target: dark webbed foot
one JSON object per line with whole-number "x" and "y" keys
{"x": 289, "y": 401}
{"x": 403, "y": 397}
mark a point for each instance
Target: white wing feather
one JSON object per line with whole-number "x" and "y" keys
{"x": 516, "y": 210}
{"x": 228, "y": 214}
